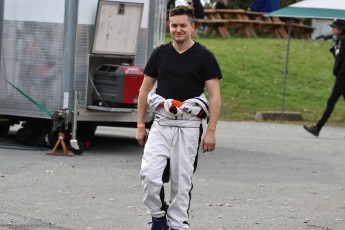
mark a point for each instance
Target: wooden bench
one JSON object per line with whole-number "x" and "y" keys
{"x": 278, "y": 26}
{"x": 242, "y": 27}
{"x": 298, "y": 28}
{"x": 302, "y": 31}
{"x": 222, "y": 22}
{"x": 275, "y": 27}
{"x": 214, "y": 26}
{"x": 238, "y": 21}
{"x": 247, "y": 23}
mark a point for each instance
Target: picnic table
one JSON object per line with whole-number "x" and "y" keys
{"x": 278, "y": 26}
{"x": 298, "y": 28}
{"x": 231, "y": 19}
{"x": 214, "y": 26}
{"x": 247, "y": 23}
{"x": 224, "y": 22}
{"x": 270, "y": 25}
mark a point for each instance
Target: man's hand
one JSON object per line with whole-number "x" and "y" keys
{"x": 208, "y": 143}
{"x": 141, "y": 136}
{"x": 145, "y": 88}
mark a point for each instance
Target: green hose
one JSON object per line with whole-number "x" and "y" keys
{"x": 30, "y": 99}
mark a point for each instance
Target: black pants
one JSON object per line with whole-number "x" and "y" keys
{"x": 337, "y": 92}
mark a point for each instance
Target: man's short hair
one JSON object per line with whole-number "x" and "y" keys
{"x": 182, "y": 10}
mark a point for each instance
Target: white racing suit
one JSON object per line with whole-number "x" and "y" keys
{"x": 175, "y": 137}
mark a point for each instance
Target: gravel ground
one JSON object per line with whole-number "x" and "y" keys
{"x": 261, "y": 176}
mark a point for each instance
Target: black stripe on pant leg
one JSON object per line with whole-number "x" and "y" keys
{"x": 201, "y": 130}
{"x": 195, "y": 166}
{"x": 190, "y": 198}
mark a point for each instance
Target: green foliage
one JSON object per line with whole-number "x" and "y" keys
{"x": 254, "y": 72}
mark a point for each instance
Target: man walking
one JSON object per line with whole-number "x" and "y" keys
{"x": 338, "y": 51}
{"x": 181, "y": 69}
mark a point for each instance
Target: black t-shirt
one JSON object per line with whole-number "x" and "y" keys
{"x": 182, "y": 76}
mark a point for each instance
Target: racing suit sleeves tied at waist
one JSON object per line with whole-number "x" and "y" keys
{"x": 165, "y": 121}
{"x": 197, "y": 106}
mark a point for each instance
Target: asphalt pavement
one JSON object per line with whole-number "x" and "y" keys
{"x": 262, "y": 176}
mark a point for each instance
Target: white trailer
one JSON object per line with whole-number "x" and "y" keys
{"x": 51, "y": 49}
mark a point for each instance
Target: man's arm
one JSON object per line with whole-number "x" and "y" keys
{"x": 341, "y": 56}
{"x": 145, "y": 88}
{"x": 209, "y": 140}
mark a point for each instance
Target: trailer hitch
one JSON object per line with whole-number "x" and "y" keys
{"x": 62, "y": 120}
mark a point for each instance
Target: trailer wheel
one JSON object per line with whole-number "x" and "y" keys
{"x": 86, "y": 131}
{"x": 22, "y": 136}
{"x": 80, "y": 150}
{"x": 29, "y": 133}
{"x": 4, "y": 128}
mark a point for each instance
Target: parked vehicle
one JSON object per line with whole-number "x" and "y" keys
{"x": 74, "y": 60}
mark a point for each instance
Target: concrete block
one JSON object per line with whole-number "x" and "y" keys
{"x": 276, "y": 116}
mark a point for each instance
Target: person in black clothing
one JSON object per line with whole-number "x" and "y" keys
{"x": 264, "y": 5}
{"x": 221, "y": 4}
{"x": 199, "y": 12}
{"x": 170, "y": 4}
{"x": 338, "y": 51}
